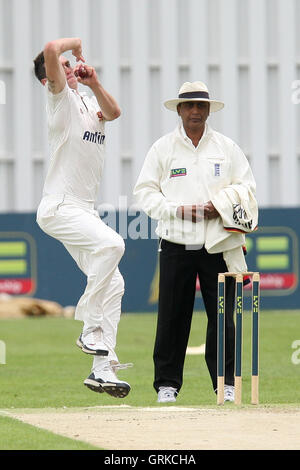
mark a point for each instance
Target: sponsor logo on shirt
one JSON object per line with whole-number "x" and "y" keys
{"x": 178, "y": 172}
{"x": 96, "y": 137}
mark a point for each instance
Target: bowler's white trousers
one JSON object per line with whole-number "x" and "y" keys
{"x": 97, "y": 250}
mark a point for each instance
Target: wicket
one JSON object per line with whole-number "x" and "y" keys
{"x": 238, "y": 336}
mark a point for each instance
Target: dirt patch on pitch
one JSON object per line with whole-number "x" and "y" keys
{"x": 174, "y": 428}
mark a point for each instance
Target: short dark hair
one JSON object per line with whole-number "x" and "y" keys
{"x": 39, "y": 66}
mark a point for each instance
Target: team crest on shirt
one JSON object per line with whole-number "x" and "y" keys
{"x": 217, "y": 169}
{"x": 178, "y": 172}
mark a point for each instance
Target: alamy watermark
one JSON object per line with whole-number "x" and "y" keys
{"x": 131, "y": 222}
{"x": 296, "y": 354}
{"x": 128, "y": 221}
{"x": 2, "y": 92}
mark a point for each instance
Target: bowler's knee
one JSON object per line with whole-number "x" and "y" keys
{"x": 118, "y": 247}
{"x": 119, "y": 283}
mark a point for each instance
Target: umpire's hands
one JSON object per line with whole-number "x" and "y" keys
{"x": 197, "y": 212}
{"x": 193, "y": 212}
{"x": 209, "y": 211}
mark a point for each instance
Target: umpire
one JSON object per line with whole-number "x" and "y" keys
{"x": 199, "y": 186}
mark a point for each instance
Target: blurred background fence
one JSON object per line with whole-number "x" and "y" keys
{"x": 248, "y": 53}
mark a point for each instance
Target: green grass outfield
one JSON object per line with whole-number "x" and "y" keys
{"x": 45, "y": 369}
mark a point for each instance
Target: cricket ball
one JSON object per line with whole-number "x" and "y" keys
{"x": 81, "y": 72}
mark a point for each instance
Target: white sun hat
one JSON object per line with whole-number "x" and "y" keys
{"x": 195, "y": 91}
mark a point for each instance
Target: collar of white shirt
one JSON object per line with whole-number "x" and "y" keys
{"x": 186, "y": 138}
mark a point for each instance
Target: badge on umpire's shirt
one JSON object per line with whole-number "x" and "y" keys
{"x": 217, "y": 169}
{"x": 178, "y": 172}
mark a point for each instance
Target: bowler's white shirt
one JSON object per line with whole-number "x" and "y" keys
{"x": 77, "y": 145}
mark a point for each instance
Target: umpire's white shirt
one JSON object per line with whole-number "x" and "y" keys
{"x": 176, "y": 173}
{"x": 77, "y": 141}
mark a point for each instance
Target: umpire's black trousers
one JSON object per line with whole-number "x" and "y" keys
{"x": 179, "y": 267}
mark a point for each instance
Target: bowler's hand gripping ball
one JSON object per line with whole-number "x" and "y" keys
{"x": 82, "y": 72}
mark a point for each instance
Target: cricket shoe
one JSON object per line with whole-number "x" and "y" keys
{"x": 229, "y": 393}
{"x": 108, "y": 382}
{"x": 166, "y": 395}
{"x": 90, "y": 342}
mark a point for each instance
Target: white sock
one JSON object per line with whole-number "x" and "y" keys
{"x": 98, "y": 364}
